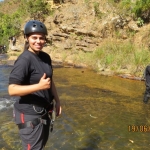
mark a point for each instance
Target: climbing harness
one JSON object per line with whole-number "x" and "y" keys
{"x": 36, "y": 121}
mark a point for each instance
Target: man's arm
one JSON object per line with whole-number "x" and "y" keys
{"x": 21, "y": 90}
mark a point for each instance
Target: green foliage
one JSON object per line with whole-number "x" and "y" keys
{"x": 109, "y": 59}
{"x": 141, "y": 57}
{"x": 87, "y": 1}
{"x": 139, "y": 9}
{"x": 10, "y": 24}
{"x": 38, "y": 9}
{"x": 126, "y": 4}
{"x": 98, "y": 13}
{"x": 142, "y": 10}
{"x": 140, "y": 22}
{"x": 125, "y": 7}
{"x": 114, "y": 54}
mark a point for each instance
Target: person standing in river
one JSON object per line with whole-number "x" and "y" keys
{"x": 31, "y": 81}
{"x": 13, "y": 40}
{"x": 147, "y": 84}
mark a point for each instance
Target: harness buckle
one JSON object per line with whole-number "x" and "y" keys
{"x": 43, "y": 121}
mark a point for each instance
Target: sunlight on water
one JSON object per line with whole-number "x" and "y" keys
{"x": 98, "y": 113}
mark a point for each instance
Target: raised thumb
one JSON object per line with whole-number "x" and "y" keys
{"x": 44, "y": 76}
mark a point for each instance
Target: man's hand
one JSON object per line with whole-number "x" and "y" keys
{"x": 45, "y": 83}
{"x": 58, "y": 108}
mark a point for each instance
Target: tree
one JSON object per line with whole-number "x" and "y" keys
{"x": 38, "y": 9}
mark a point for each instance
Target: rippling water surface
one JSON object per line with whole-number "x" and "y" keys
{"x": 98, "y": 113}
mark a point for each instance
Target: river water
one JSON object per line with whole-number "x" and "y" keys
{"x": 98, "y": 113}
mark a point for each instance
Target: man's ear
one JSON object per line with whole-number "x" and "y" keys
{"x": 26, "y": 38}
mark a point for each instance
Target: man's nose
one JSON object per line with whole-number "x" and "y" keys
{"x": 38, "y": 40}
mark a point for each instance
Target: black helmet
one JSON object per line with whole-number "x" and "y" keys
{"x": 35, "y": 26}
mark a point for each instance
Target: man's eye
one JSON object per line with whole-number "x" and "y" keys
{"x": 42, "y": 38}
{"x": 34, "y": 38}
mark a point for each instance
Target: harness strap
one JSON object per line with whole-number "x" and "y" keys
{"x": 32, "y": 123}
{"x": 52, "y": 116}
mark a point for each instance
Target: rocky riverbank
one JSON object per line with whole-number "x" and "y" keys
{"x": 58, "y": 61}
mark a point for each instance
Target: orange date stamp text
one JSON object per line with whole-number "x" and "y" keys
{"x": 139, "y": 128}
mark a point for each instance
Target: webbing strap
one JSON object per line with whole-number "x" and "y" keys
{"x": 32, "y": 123}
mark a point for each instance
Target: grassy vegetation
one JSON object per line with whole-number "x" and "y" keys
{"x": 122, "y": 55}
{"x": 98, "y": 13}
{"x": 116, "y": 56}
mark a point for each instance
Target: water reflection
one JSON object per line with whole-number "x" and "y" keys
{"x": 97, "y": 113}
